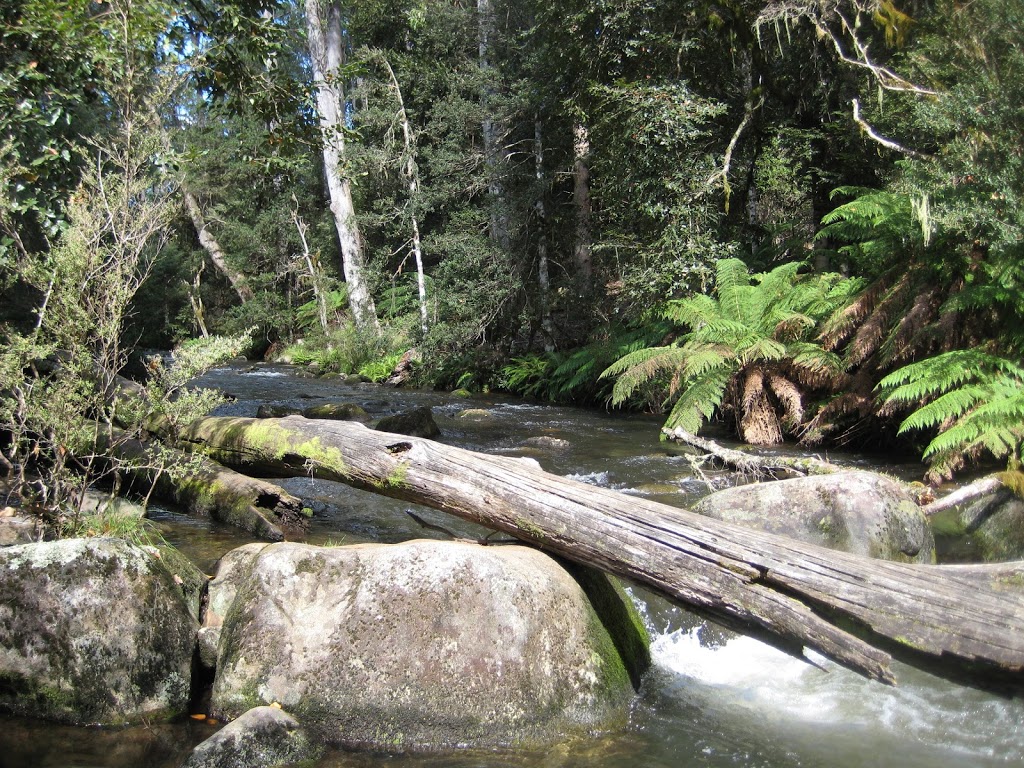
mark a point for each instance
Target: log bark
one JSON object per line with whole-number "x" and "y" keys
{"x": 745, "y": 463}
{"x": 209, "y": 489}
{"x": 857, "y": 611}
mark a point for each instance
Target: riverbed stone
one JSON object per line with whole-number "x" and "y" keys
{"x": 423, "y": 644}
{"x": 263, "y": 737}
{"x": 275, "y": 411}
{"x": 859, "y": 512}
{"x": 995, "y": 525}
{"x": 337, "y": 412}
{"x": 93, "y": 631}
{"x": 419, "y": 422}
{"x": 18, "y": 528}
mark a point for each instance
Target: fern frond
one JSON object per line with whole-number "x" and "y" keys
{"x": 639, "y": 368}
{"x": 699, "y": 401}
{"x": 949, "y": 406}
{"x": 731, "y": 277}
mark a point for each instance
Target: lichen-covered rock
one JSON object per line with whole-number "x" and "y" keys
{"x": 858, "y": 512}
{"x": 419, "y": 645}
{"x": 233, "y": 569}
{"x": 337, "y": 412}
{"x": 418, "y": 422}
{"x": 92, "y": 631}
{"x": 263, "y": 737}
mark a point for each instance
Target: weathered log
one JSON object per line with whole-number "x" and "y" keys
{"x": 203, "y": 487}
{"x": 852, "y": 609}
{"x": 985, "y": 486}
{"x": 750, "y": 464}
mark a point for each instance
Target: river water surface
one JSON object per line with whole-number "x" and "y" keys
{"x": 711, "y": 699}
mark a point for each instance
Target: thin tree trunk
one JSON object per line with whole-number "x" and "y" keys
{"x": 543, "y": 278}
{"x": 582, "y": 252}
{"x": 412, "y": 175}
{"x": 492, "y": 129}
{"x": 314, "y": 273}
{"x": 966, "y": 623}
{"x": 213, "y": 250}
{"x": 326, "y": 51}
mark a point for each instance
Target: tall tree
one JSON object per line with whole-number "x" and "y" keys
{"x": 327, "y": 54}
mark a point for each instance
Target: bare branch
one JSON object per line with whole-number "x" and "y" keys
{"x": 877, "y": 137}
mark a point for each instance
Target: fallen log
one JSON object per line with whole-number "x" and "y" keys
{"x": 992, "y": 485}
{"x": 203, "y": 487}
{"x": 859, "y": 612}
{"x": 750, "y": 464}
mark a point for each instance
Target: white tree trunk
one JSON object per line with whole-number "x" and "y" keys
{"x": 314, "y": 273}
{"x": 213, "y": 249}
{"x": 323, "y": 26}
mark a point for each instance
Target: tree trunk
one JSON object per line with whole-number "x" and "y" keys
{"x": 964, "y": 623}
{"x": 203, "y": 487}
{"x": 543, "y": 278}
{"x": 772, "y": 467}
{"x": 213, "y": 249}
{"x": 581, "y": 198}
{"x": 492, "y": 128}
{"x": 413, "y": 178}
{"x": 326, "y": 52}
{"x": 316, "y": 281}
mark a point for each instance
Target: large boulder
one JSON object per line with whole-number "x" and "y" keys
{"x": 859, "y": 512}
{"x": 263, "y": 737}
{"x": 419, "y": 645}
{"x": 93, "y": 631}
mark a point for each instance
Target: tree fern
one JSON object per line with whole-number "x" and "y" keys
{"x": 974, "y": 399}
{"x": 753, "y": 336}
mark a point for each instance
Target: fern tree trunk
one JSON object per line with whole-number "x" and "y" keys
{"x": 959, "y": 621}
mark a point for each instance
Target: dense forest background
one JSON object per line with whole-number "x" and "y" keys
{"x": 800, "y": 218}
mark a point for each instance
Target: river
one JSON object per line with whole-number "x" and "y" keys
{"x": 711, "y": 699}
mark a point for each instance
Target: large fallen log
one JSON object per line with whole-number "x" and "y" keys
{"x": 963, "y": 623}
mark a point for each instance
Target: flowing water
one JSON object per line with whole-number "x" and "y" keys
{"x": 711, "y": 699}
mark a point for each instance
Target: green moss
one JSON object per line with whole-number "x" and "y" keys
{"x": 531, "y": 529}
{"x": 629, "y": 655}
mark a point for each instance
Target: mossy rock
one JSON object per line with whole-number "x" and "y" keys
{"x": 426, "y": 645}
{"x": 859, "y": 512}
{"x": 263, "y": 737}
{"x": 337, "y": 412}
{"x": 93, "y": 631}
{"x": 995, "y": 526}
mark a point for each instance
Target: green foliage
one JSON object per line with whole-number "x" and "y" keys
{"x": 877, "y": 226}
{"x": 527, "y": 375}
{"x": 167, "y": 395}
{"x": 747, "y": 350}
{"x": 380, "y": 369}
{"x": 973, "y": 399}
